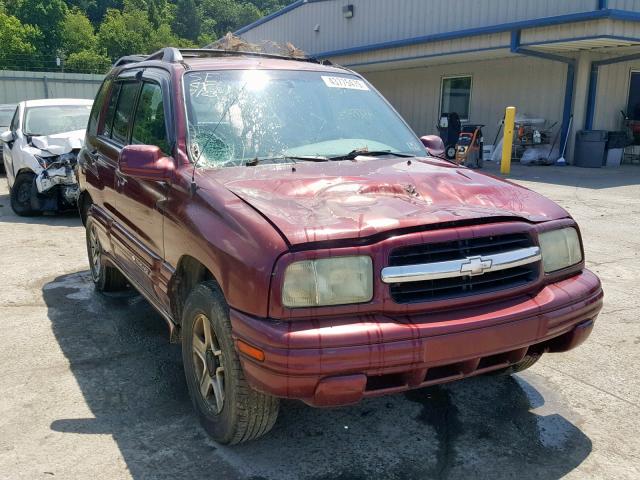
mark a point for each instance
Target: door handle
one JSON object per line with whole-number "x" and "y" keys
{"x": 120, "y": 180}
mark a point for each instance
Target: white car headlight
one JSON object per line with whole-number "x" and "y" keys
{"x": 560, "y": 249}
{"x": 328, "y": 281}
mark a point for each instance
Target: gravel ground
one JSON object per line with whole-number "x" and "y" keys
{"x": 91, "y": 388}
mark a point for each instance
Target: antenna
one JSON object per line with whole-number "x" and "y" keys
{"x": 194, "y": 187}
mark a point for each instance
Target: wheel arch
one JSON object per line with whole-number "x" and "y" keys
{"x": 24, "y": 170}
{"x": 84, "y": 203}
{"x": 189, "y": 273}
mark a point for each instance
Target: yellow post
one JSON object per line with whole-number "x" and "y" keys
{"x": 507, "y": 144}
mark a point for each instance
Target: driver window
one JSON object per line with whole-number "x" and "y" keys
{"x": 14, "y": 121}
{"x": 149, "y": 125}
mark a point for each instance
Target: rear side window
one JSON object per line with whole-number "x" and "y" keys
{"x": 97, "y": 107}
{"x": 149, "y": 125}
{"x": 122, "y": 117}
{"x": 111, "y": 109}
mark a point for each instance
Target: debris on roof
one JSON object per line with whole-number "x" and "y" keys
{"x": 233, "y": 43}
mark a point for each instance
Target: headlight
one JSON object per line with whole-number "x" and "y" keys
{"x": 560, "y": 249}
{"x": 44, "y": 161}
{"x": 328, "y": 281}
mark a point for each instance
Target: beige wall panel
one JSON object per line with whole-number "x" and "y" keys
{"x": 535, "y": 86}
{"x": 399, "y": 19}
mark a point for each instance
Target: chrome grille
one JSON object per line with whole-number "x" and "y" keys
{"x": 459, "y": 268}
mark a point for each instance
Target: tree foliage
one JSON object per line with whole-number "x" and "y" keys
{"x": 87, "y": 34}
{"x": 17, "y": 41}
{"x": 88, "y": 61}
{"x": 47, "y": 15}
{"x": 77, "y": 33}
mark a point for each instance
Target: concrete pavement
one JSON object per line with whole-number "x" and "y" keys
{"x": 91, "y": 388}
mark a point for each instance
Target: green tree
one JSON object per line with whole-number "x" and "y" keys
{"x": 187, "y": 19}
{"x": 124, "y": 33}
{"x": 88, "y": 61}
{"x": 158, "y": 11}
{"x": 17, "y": 41}
{"x": 77, "y": 33}
{"x": 96, "y": 9}
{"x": 47, "y": 15}
{"x": 222, "y": 16}
{"x": 164, "y": 37}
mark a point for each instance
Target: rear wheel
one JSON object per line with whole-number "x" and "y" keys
{"x": 105, "y": 278}
{"x": 21, "y": 195}
{"x": 228, "y": 408}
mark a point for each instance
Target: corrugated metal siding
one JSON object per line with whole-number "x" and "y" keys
{"x": 384, "y": 20}
{"x": 633, "y": 5}
{"x": 17, "y": 86}
{"x": 612, "y": 95}
{"x": 567, "y": 31}
{"x": 428, "y": 50}
{"x": 625, "y": 29}
{"x": 534, "y": 86}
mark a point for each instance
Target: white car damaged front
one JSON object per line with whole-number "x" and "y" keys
{"x": 54, "y": 159}
{"x": 40, "y": 151}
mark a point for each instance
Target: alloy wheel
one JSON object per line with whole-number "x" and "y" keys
{"x": 207, "y": 360}
{"x": 94, "y": 253}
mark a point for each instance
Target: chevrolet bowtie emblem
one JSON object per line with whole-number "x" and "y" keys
{"x": 475, "y": 266}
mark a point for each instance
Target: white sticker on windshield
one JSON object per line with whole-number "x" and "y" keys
{"x": 342, "y": 82}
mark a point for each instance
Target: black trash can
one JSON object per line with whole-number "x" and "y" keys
{"x": 590, "y": 149}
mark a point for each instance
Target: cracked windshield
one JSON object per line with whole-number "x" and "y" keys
{"x": 247, "y": 117}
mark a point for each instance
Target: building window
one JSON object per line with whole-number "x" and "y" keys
{"x": 633, "y": 103}
{"x": 456, "y": 96}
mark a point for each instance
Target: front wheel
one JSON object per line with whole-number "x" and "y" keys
{"x": 228, "y": 408}
{"x": 21, "y": 195}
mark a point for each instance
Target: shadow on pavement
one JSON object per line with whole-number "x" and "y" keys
{"x": 132, "y": 380}
{"x": 68, "y": 218}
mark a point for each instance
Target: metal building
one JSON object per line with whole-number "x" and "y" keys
{"x": 550, "y": 58}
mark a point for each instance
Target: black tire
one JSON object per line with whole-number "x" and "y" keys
{"x": 528, "y": 361}
{"x": 243, "y": 414}
{"x": 105, "y": 278}
{"x": 21, "y": 195}
{"x": 450, "y": 152}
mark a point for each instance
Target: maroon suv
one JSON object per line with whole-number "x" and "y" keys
{"x": 301, "y": 243}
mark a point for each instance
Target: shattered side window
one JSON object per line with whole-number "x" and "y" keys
{"x": 235, "y": 117}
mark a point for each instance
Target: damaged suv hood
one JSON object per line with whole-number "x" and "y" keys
{"x": 59, "y": 143}
{"x": 315, "y": 202}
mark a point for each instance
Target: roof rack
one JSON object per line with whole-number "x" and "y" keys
{"x": 129, "y": 59}
{"x": 175, "y": 55}
{"x": 167, "y": 54}
{"x": 218, "y": 52}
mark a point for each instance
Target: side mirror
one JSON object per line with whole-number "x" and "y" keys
{"x": 434, "y": 145}
{"x": 146, "y": 162}
{"x": 7, "y": 136}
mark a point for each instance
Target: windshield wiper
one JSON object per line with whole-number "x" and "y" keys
{"x": 365, "y": 153}
{"x": 306, "y": 158}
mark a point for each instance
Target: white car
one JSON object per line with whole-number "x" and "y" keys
{"x": 40, "y": 150}
{"x": 6, "y": 114}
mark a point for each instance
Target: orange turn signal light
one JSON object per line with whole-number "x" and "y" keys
{"x": 251, "y": 351}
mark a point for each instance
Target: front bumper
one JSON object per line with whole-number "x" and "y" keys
{"x": 339, "y": 361}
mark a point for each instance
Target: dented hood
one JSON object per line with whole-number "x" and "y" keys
{"x": 60, "y": 143}
{"x": 338, "y": 200}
